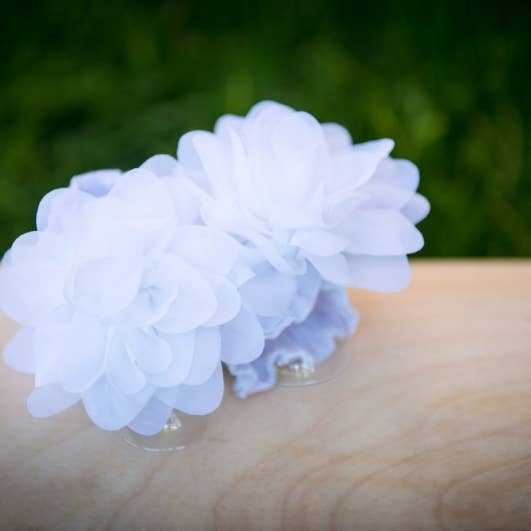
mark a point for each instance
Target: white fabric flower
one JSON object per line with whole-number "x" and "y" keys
{"x": 124, "y": 303}
{"x": 300, "y": 194}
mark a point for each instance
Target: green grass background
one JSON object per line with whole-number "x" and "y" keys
{"x": 86, "y": 85}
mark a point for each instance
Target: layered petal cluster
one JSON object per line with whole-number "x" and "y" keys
{"x": 310, "y": 341}
{"x": 301, "y": 193}
{"x": 126, "y": 304}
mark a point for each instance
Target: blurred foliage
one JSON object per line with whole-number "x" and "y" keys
{"x": 86, "y": 85}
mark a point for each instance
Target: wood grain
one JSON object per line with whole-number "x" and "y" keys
{"x": 430, "y": 428}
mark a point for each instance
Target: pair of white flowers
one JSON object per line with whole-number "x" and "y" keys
{"x": 136, "y": 286}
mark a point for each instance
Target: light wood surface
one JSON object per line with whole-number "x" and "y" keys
{"x": 430, "y": 428}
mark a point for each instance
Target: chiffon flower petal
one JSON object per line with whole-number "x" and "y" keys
{"x": 106, "y": 286}
{"x": 242, "y": 339}
{"x": 161, "y": 165}
{"x": 152, "y": 418}
{"x": 268, "y": 111}
{"x": 197, "y": 245}
{"x": 319, "y": 242}
{"x": 308, "y": 286}
{"x": 122, "y": 371}
{"x": 354, "y": 166}
{"x": 272, "y": 252}
{"x": 49, "y": 344}
{"x": 228, "y": 122}
{"x": 296, "y": 142}
{"x": 382, "y": 233}
{"x": 207, "y": 355}
{"x": 31, "y": 283}
{"x": 416, "y": 209}
{"x": 187, "y": 155}
{"x": 83, "y": 361}
{"x": 228, "y": 301}
{"x": 18, "y": 353}
{"x": 151, "y": 353}
{"x": 392, "y": 185}
{"x": 158, "y": 289}
{"x": 50, "y": 400}
{"x": 385, "y": 274}
{"x": 334, "y": 269}
{"x": 29, "y": 291}
{"x": 196, "y": 399}
{"x": 396, "y": 173}
{"x": 97, "y": 183}
{"x": 269, "y": 292}
{"x": 183, "y": 352}
{"x": 144, "y": 204}
{"x": 195, "y": 304}
{"x": 109, "y": 408}
{"x": 336, "y": 136}
{"x": 58, "y": 208}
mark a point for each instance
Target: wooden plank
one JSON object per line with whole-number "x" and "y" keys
{"x": 429, "y": 428}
